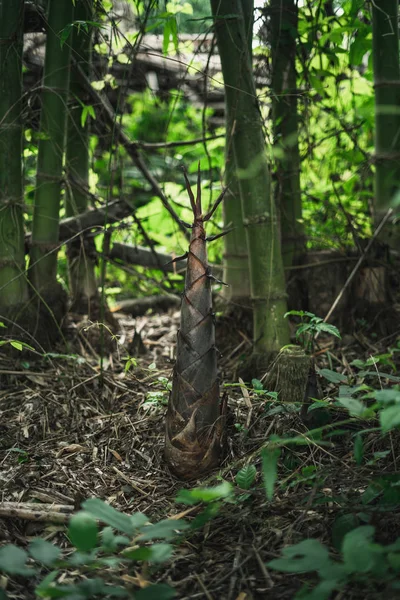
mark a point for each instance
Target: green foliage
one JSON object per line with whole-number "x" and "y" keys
{"x": 309, "y": 327}
{"x": 361, "y": 557}
{"x": 246, "y": 477}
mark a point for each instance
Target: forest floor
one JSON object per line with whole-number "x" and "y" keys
{"x": 68, "y": 433}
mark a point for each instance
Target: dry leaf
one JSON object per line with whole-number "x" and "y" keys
{"x": 116, "y": 455}
{"x": 245, "y": 393}
{"x": 72, "y": 448}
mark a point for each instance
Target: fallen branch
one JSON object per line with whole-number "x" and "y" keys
{"x": 137, "y": 255}
{"x": 69, "y": 227}
{"x": 30, "y": 511}
{"x": 139, "y": 306}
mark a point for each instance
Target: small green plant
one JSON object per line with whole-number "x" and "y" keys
{"x": 309, "y": 327}
{"x": 362, "y": 559}
{"x": 106, "y": 542}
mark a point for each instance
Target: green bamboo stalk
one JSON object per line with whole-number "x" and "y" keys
{"x": 283, "y": 24}
{"x": 387, "y": 102}
{"x": 45, "y": 225}
{"x": 236, "y": 259}
{"x": 236, "y": 262}
{"x": 195, "y": 418}
{"x": 81, "y": 251}
{"x": 260, "y": 218}
{"x": 13, "y": 284}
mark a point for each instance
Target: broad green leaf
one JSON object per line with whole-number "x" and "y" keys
{"x": 390, "y": 417}
{"x": 341, "y": 526}
{"x": 246, "y": 477}
{"x": 158, "y": 591}
{"x": 139, "y": 519}
{"x": 107, "y": 514}
{"x": 322, "y": 591}
{"x": 387, "y": 396}
{"x": 358, "y": 449}
{"x": 13, "y": 561}
{"x": 269, "y": 457}
{"x": 165, "y": 529}
{"x": 357, "y": 549}
{"x": 157, "y": 553}
{"x": 110, "y": 541}
{"x": 209, "y": 494}
{"x": 44, "y": 551}
{"x": 332, "y": 376}
{"x": 354, "y": 406}
{"x": 305, "y": 557}
{"x": 83, "y": 531}
{"x": 210, "y": 511}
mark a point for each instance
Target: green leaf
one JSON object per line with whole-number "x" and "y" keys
{"x": 357, "y": 549}
{"x": 165, "y": 529}
{"x": 358, "y": 449}
{"x": 157, "y": 553}
{"x": 329, "y": 329}
{"x": 305, "y": 557}
{"x": 16, "y": 345}
{"x": 354, "y": 406}
{"x": 13, "y": 561}
{"x": 332, "y": 376}
{"x": 322, "y": 591}
{"x": 341, "y": 526}
{"x": 107, "y": 514}
{"x": 387, "y": 396}
{"x": 390, "y": 417}
{"x": 257, "y": 385}
{"x": 110, "y": 541}
{"x": 158, "y": 591}
{"x": 210, "y": 511}
{"x": 43, "y": 590}
{"x": 3, "y": 595}
{"x": 246, "y": 477}
{"x": 208, "y": 494}
{"x": 269, "y": 458}
{"x": 44, "y": 551}
{"x": 65, "y": 33}
{"x": 83, "y": 531}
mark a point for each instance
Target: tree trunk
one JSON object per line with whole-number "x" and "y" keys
{"x": 45, "y": 227}
{"x": 81, "y": 251}
{"x": 195, "y": 417}
{"x": 387, "y": 118}
{"x": 267, "y": 281}
{"x": 283, "y": 15}
{"x": 13, "y": 285}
